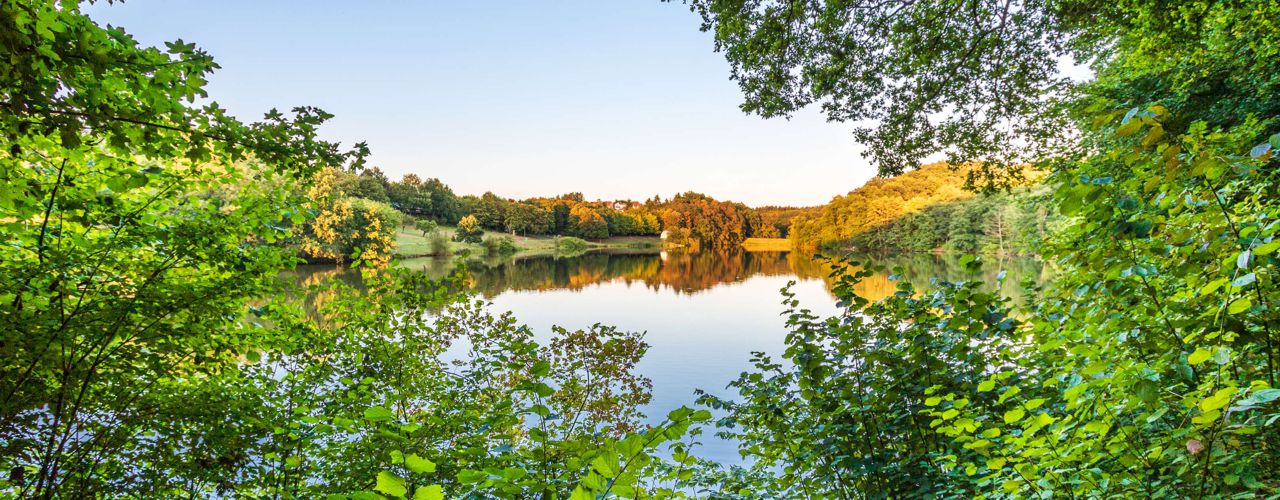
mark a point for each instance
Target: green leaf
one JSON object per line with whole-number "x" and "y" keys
{"x": 467, "y": 476}
{"x": 1148, "y": 390}
{"x": 1200, "y": 356}
{"x": 433, "y": 492}
{"x": 1216, "y": 401}
{"x": 1245, "y": 280}
{"x": 418, "y": 464}
{"x": 390, "y": 484}
{"x": 581, "y": 494}
{"x": 1129, "y": 128}
{"x": 1239, "y": 305}
{"x": 680, "y": 413}
{"x": 378, "y": 414}
{"x": 1222, "y": 355}
{"x": 1212, "y": 286}
{"x": 606, "y": 465}
{"x": 987, "y": 386}
{"x": 1014, "y": 415}
{"x": 1267, "y": 248}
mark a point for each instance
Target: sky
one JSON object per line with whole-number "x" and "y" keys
{"x": 617, "y": 99}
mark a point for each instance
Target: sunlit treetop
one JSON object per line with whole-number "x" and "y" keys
{"x": 67, "y": 78}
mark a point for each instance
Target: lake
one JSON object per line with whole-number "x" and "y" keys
{"x": 703, "y": 314}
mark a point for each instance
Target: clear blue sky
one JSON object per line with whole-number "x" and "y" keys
{"x": 616, "y": 99}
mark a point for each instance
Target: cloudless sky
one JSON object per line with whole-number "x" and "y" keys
{"x": 616, "y": 99}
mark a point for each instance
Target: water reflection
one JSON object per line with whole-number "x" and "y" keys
{"x": 699, "y": 272}
{"x": 703, "y": 314}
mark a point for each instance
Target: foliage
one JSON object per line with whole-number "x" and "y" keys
{"x": 469, "y": 230}
{"x": 844, "y": 415}
{"x": 528, "y": 218}
{"x": 427, "y": 226}
{"x": 147, "y": 352}
{"x": 362, "y": 398}
{"x": 777, "y": 218}
{"x": 1015, "y": 222}
{"x": 989, "y": 66}
{"x": 348, "y": 226}
{"x": 439, "y": 244}
{"x": 571, "y": 245}
{"x": 694, "y": 216}
{"x": 879, "y": 203}
{"x": 586, "y": 223}
{"x": 1146, "y": 368}
{"x": 136, "y": 225}
{"x": 371, "y": 184}
{"x": 430, "y": 198}
{"x": 500, "y": 245}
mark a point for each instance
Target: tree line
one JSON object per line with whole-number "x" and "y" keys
{"x": 688, "y": 218}
{"x": 927, "y": 209}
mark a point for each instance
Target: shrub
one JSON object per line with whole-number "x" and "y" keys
{"x": 571, "y": 245}
{"x": 469, "y": 230}
{"x": 439, "y": 244}
{"x": 349, "y": 227}
{"x": 500, "y": 245}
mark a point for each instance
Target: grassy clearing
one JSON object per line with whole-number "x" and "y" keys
{"x": 766, "y": 244}
{"x": 411, "y": 243}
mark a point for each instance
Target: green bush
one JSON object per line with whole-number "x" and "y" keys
{"x": 571, "y": 245}
{"x": 500, "y": 245}
{"x": 439, "y": 244}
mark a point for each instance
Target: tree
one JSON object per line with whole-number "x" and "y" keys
{"x": 427, "y": 226}
{"x": 528, "y": 218}
{"x": 586, "y": 223}
{"x": 719, "y": 224}
{"x": 410, "y": 196}
{"x": 348, "y": 227}
{"x": 445, "y": 207}
{"x": 560, "y": 217}
{"x": 138, "y": 225}
{"x": 469, "y": 230}
{"x": 490, "y": 211}
{"x": 372, "y": 184}
{"x": 990, "y": 63}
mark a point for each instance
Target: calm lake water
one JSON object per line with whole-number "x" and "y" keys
{"x": 702, "y": 314}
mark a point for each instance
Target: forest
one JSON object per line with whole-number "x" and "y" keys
{"x": 927, "y": 210}
{"x": 148, "y": 348}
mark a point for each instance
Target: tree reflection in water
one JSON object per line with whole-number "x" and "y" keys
{"x": 692, "y": 273}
